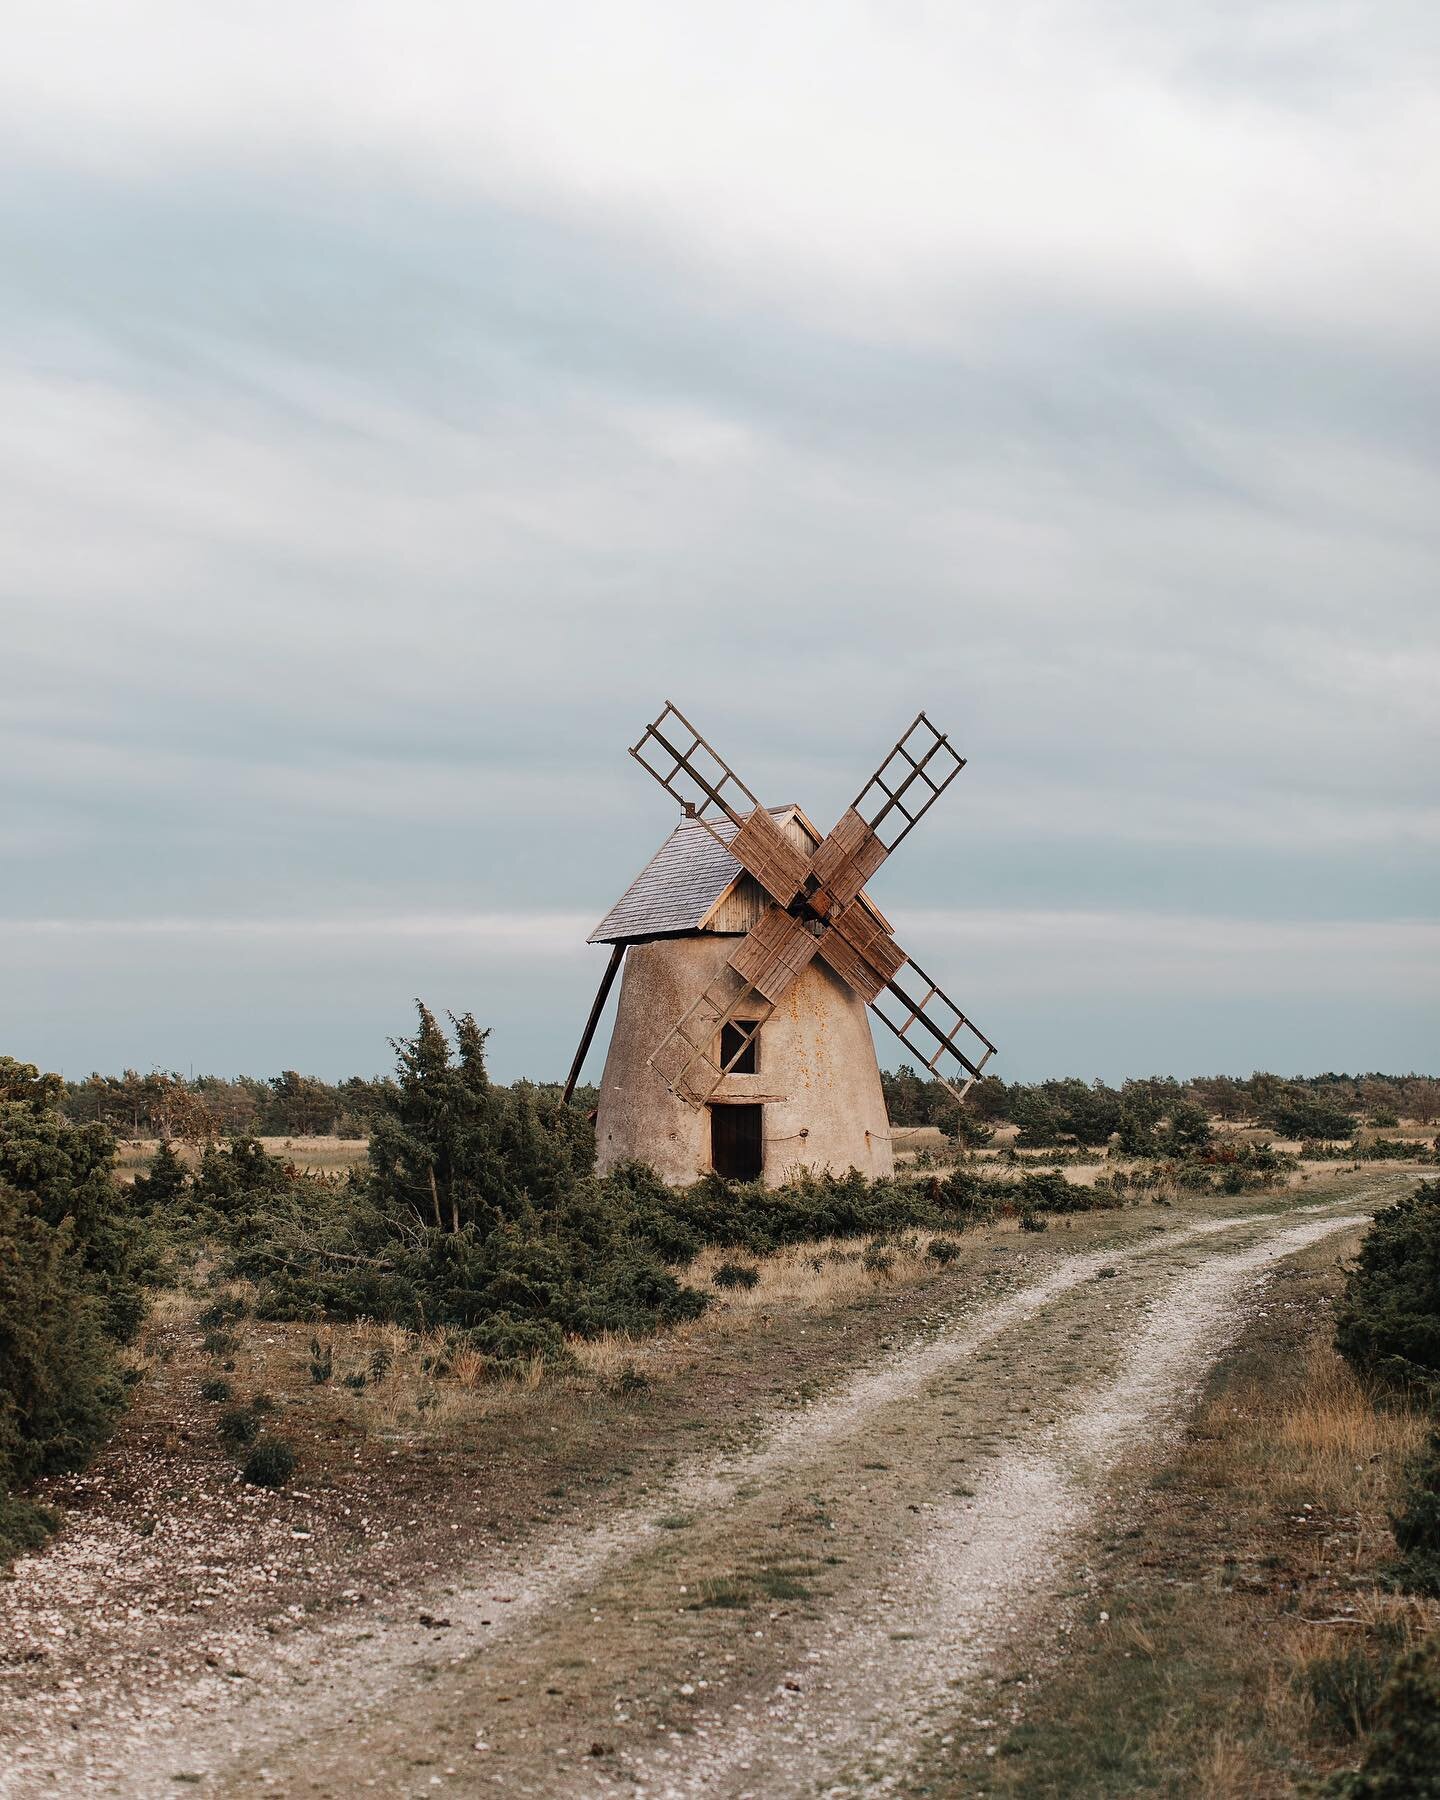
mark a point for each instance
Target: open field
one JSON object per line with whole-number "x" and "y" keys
{"x": 309, "y": 1155}
{"x": 708, "y": 1561}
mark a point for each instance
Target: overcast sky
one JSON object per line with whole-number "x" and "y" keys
{"x": 399, "y": 402}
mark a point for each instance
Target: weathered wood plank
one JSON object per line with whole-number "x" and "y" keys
{"x": 762, "y": 848}
{"x": 846, "y": 860}
{"x": 774, "y": 954}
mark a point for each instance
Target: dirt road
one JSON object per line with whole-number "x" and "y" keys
{"x": 796, "y": 1618}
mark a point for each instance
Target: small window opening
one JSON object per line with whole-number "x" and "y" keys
{"x": 732, "y": 1038}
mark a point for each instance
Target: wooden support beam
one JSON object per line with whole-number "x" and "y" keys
{"x": 607, "y": 981}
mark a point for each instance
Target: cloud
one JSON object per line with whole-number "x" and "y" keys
{"x": 1094, "y": 953}
{"x": 394, "y": 408}
{"x": 890, "y": 152}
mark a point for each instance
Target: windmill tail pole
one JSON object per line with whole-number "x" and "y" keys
{"x": 607, "y": 981}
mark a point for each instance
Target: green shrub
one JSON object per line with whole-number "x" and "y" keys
{"x": 1388, "y": 1323}
{"x": 1033, "y": 1221}
{"x": 735, "y": 1275}
{"x": 1050, "y": 1192}
{"x": 217, "y": 1388}
{"x": 162, "y": 1187}
{"x": 232, "y": 1177}
{"x": 219, "y": 1343}
{"x": 60, "y": 1387}
{"x": 270, "y": 1464}
{"x": 237, "y": 1427}
{"x": 1300, "y": 1113}
{"x": 24, "y": 1524}
{"x": 66, "y": 1173}
{"x": 72, "y": 1259}
{"x": 1417, "y": 1523}
{"x": 942, "y": 1250}
{"x": 1402, "y": 1753}
{"x": 221, "y": 1311}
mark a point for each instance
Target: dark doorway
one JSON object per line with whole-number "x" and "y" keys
{"x": 737, "y": 1144}
{"x": 732, "y": 1039}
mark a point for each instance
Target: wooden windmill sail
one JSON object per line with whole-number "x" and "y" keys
{"x": 813, "y": 910}
{"x": 815, "y": 907}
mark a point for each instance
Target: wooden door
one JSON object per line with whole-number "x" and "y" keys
{"x": 737, "y": 1142}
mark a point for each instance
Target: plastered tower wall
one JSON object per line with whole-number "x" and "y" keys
{"x": 818, "y": 1078}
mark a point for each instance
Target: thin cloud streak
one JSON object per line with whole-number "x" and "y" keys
{"x": 552, "y": 933}
{"x": 1084, "y": 951}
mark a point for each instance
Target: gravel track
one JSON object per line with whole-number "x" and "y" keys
{"x": 983, "y": 1567}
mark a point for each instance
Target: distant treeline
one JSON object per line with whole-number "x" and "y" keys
{"x": 1316, "y": 1107}
{"x": 205, "y": 1108}
{"x": 210, "y": 1107}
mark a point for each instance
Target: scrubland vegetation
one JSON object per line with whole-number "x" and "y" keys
{"x": 475, "y": 1219}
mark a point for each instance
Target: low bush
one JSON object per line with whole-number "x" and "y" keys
{"x": 270, "y": 1464}
{"x": 161, "y": 1187}
{"x": 1402, "y": 1753}
{"x": 72, "y": 1260}
{"x": 217, "y": 1388}
{"x": 222, "y": 1311}
{"x": 1050, "y": 1192}
{"x": 237, "y": 1427}
{"x": 942, "y": 1250}
{"x": 736, "y": 1275}
{"x": 1417, "y": 1523}
{"x": 1388, "y": 1323}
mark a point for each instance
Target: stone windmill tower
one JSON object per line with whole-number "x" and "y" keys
{"x": 751, "y": 952}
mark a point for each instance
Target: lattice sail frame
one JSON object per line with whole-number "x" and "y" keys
{"x": 815, "y": 907}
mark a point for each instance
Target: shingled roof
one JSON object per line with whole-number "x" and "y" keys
{"x": 678, "y": 887}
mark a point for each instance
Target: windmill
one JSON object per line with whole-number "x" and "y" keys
{"x": 809, "y": 936}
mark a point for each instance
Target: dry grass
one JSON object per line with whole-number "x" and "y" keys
{"x": 1339, "y": 1438}
{"x": 821, "y": 1275}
